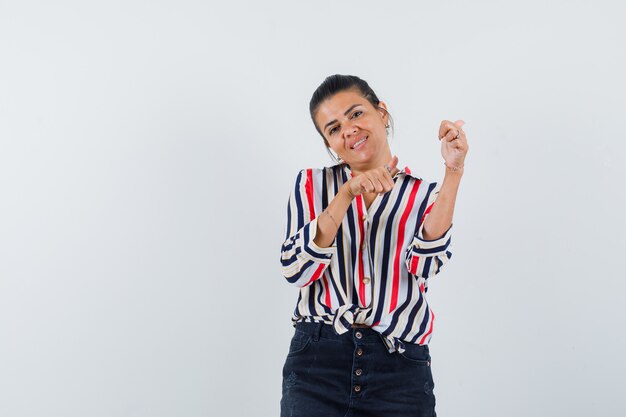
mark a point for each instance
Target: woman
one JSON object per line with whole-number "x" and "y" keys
{"x": 362, "y": 240}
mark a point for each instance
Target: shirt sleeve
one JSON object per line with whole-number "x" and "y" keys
{"x": 425, "y": 258}
{"x": 302, "y": 260}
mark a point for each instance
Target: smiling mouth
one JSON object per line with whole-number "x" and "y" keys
{"x": 359, "y": 143}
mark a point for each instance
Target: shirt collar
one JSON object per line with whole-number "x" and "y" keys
{"x": 405, "y": 171}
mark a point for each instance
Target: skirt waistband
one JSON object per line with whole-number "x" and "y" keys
{"x": 357, "y": 334}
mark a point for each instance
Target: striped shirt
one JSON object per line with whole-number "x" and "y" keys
{"x": 377, "y": 268}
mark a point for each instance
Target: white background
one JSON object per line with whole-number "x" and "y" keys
{"x": 148, "y": 149}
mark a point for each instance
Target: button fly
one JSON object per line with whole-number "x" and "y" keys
{"x": 358, "y": 335}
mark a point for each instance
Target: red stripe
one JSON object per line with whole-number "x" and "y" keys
{"x": 327, "y": 300}
{"x": 359, "y": 205}
{"x": 316, "y": 274}
{"x": 309, "y": 192}
{"x": 400, "y": 245}
{"x": 430, "y": 328}
{"x": 426, "y": 212}
{"x": 414, "y": 262}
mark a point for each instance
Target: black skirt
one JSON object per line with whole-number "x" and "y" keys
{"x": 354, "y": 375}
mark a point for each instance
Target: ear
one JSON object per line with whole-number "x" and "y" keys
{"x": 383, "y": 113}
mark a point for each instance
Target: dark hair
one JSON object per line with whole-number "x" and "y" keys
{"x": 336, "y": 83}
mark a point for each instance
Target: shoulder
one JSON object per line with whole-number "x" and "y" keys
{"x": 424, "y": 188}
{"x": 312, "y": 174}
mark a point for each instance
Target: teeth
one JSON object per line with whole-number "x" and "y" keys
{"x": 359, "y": 142}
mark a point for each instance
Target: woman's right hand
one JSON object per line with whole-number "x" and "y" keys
{"x": 379, "y": 180}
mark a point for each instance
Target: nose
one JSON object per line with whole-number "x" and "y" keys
{"x": 349, "y": 130}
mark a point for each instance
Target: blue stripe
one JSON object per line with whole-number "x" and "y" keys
{"x": 308, "y": 249}
{"x": 399, "y": 310}
{"x": 288, "y": 231}
{"x": 292, "y": 241}
{"x": 315, "y": 286}
{"x": 424, "y": 251}
{"x": 319, "y": 296}
{"x": 388, "y": 234}
{"x": 422, "y": 328}
{"x": 324, "y": 189}
{"x": 300, "y": 209}
{"x": 413, "y": 315}
{"x": 292, "y": 279}
{"x": 344, "y": 322}
{"x": 292, "y": 259}
{"x": 427, "y": 262}
{"x": 353, "y": 261}
{"x": 341, "y": 261}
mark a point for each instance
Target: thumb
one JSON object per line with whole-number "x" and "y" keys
{"x": 392, "y": 164}
{"x": 459, "y": 123}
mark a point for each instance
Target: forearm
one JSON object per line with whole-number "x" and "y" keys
{"x": 439, "y": 219}
{"x": 329, "y": 221}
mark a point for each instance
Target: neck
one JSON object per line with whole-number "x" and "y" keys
{"x": 358, "y": 169}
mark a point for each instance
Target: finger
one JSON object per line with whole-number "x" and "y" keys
{"x": 361, "y": 186}
{"x": 367, "y": 184}
{"x": 386, "y": 179}
{"x": 378, "y": 184}
{"x": 459, "y": 123}
{"x": 374, "y": 179}
{"x": 383, "y": 175}
{"x": 387, "y": 184}
{"x": 392, "y": 164}
{"x": 444, "y": 127}
{"x": 447, "y": 126}
{"x": 452, "y": 135}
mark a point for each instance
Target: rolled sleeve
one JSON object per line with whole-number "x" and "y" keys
{"x": 425, "y": 247}
{"x": 311, "y": 249}
{"x": 302, "y": 260}
{"x": 425, "y": 258}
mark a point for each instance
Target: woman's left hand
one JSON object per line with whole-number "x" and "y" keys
{"x": 454, "y": 144}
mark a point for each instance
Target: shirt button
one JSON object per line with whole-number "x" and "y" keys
{"x": 366, "y": 280}
{"x": 364, "y": 218}
{"x": 359, "y": 335}
{"x": 359, "y": 352}
{"x": 357, "y": 388}
{"x": 358, "y": 372}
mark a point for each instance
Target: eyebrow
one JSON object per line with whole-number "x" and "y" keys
{"x": 345, "y": 114}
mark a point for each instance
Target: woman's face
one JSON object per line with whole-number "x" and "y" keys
{"x": 355, "y": 129}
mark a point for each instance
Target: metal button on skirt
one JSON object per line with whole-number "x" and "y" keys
{"x": 354, "y": 375}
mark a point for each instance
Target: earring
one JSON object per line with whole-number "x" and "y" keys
{"x": 387, "y": 126}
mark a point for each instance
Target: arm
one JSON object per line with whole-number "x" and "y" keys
{"x": 426, "y": 255}
{"x": 307, "y": 249}
{"x": 329, "y": 222}
{"x": 440, "y": 217}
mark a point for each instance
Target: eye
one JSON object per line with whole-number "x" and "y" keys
{"x": 330, "y": 132}
{"x": 358, "y": 111}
